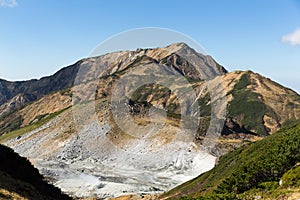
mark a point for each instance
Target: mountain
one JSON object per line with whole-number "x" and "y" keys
{"x": 118, "y": 61}
{"x": 257, "y": 104}
{"x": 278, "y": 103}
{"x": 266, "y": 169}
{"x": 102, "y": 126}
{"x": 28, "y": 91}
{"x": 20, "y": 180}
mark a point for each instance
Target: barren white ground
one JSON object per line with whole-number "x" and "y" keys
{"x": 87, "y": 164}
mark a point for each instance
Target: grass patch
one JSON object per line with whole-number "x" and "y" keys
{"x": 14, "y": 124}
{"x": 291, "y": 178}
{"x": 205, "y": 106}
{"x": 142, "y": 93}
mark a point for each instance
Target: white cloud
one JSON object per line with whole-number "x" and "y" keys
{"x": 8, "y": 3}
{"x": 292, "y": 38}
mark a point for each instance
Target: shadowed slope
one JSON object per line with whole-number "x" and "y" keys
{"x": 19, "y": 179}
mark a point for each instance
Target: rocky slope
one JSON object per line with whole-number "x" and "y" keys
{"x": 15, "y": 95}
{"x": 138, "y": 121}
{"x": 28, "y": 91}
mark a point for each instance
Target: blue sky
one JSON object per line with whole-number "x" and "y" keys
{"x": 40, "y": 37}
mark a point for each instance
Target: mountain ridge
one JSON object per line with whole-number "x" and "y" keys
{"x": 118, "y": 62}
{"x": 65, "y": 77}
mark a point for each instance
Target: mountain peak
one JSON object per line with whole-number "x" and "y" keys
{"x": 180, "y": 44}
{"x": 178, "y": 47}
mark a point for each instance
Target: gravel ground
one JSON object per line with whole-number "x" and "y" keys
{"x": 87, "y": 164}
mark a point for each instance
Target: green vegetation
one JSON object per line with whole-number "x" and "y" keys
{"x": 255, "y": 168}
{"x": 38, "y": 118}
{"x": 205, "y": 106}
{"x": 162, "y": 93}
{"x": 248, "y": 108}
{"x": 30, "y": 127}
{"x": 173, "y": 110}
{"x": 142, "y": 93}
{"x": 13, "y": 124}
{"x": 65, "y": 92}
{"x": 243, "y": 82}
{"x": 291, "y": 178}
{"x": 157, "y": 93}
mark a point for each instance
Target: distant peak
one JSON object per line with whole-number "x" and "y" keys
{"x": 179, "y": 45}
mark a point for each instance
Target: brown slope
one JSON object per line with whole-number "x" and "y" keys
{"x": 96, "y": 67}
{"x": 279, "y": 104}
{"x": 90, "y": 69}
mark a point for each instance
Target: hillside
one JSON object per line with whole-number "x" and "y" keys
{"x": 18, "y": 96}
{"x": 102, "y": 66}
{"x": 252, "y": 170}
{"x": 20, "y": 180}
{"x": 257, "y": 104}
{"x": 35, "y": 89}
{"x": 84, "y": 140}
{"x": 271, "y": 104}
